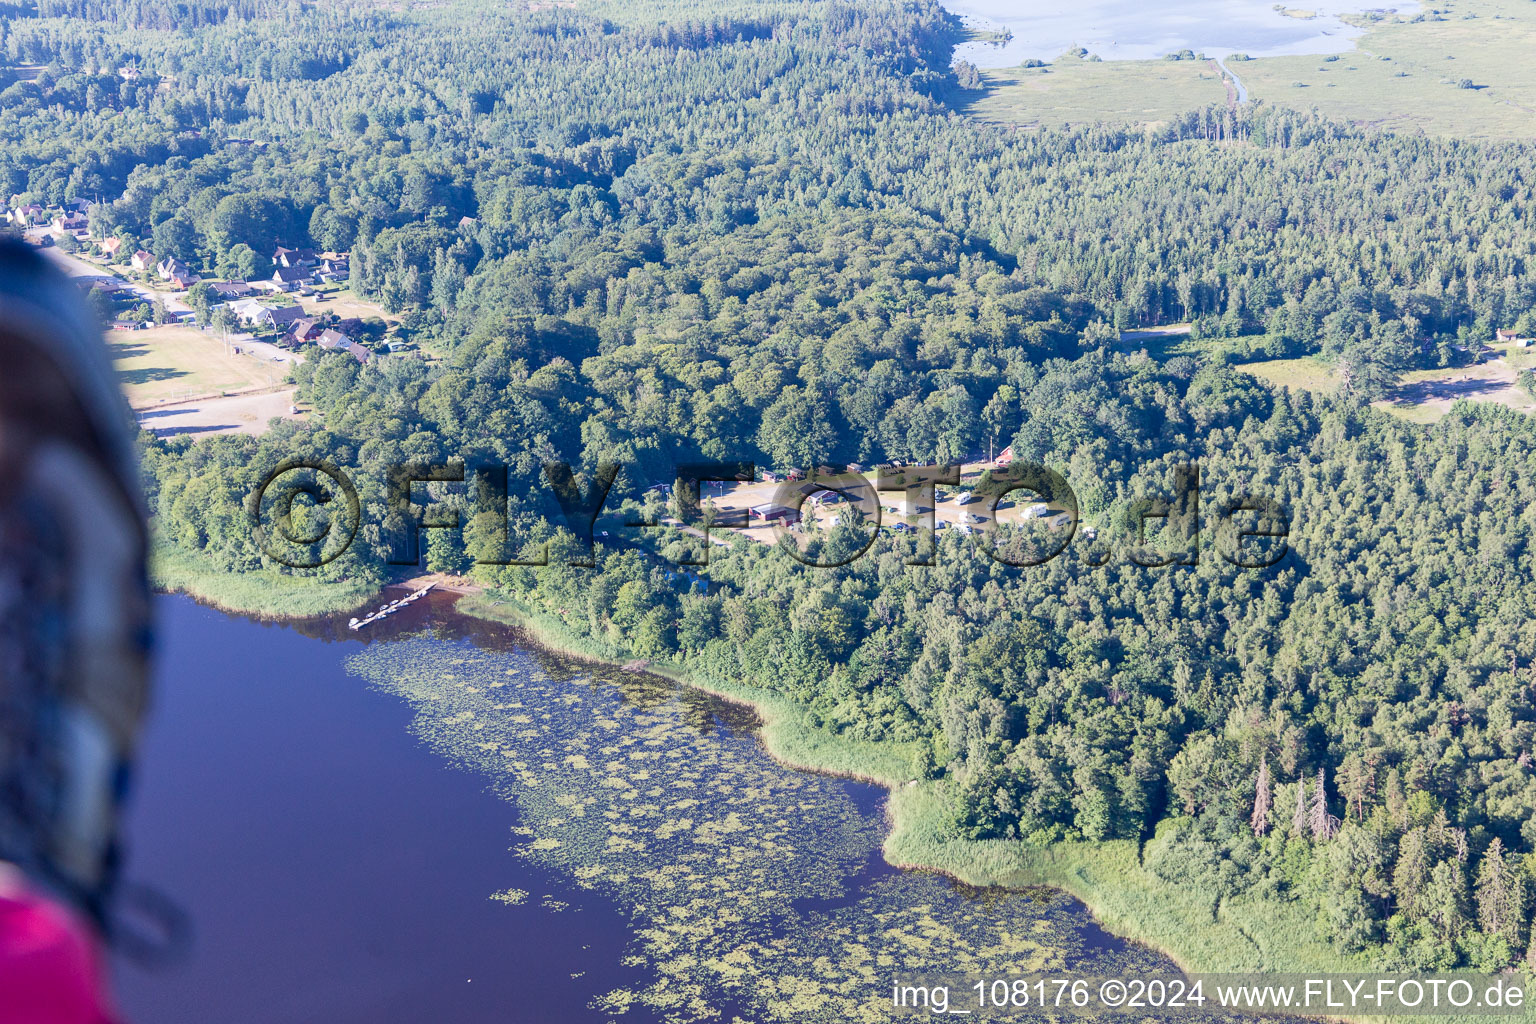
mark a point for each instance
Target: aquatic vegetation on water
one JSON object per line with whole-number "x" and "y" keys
{"x": 756, "y": 891}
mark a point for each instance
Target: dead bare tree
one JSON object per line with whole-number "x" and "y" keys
{"x": 1261, "y": 799}
{"x": 1323, "y": 825}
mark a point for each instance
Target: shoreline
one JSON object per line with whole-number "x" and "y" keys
{"x": 1200, "y": 935}
{"x": 996, "y": 39}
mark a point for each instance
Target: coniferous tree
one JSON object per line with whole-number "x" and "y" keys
{"x": 1501, "y": 895}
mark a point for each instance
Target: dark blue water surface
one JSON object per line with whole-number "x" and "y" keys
{"x": 336, "y": 870}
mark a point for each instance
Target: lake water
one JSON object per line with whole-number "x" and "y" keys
{"x": 430, "y": 821}
{"x": 1138, "y": 30}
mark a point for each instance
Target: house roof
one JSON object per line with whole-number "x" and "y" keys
{"x": 360, "y": 353}
{"x": 288, "y": 275}
{"x": 285, "y": 315}
{"x": 228, "y": 289}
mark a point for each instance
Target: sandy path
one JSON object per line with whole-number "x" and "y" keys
{"x": 236, "y": 414}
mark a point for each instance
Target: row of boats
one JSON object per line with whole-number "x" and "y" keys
{"x": 390, "y": 608}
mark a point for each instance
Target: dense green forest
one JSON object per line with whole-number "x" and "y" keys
{"x": 659, "y": 233}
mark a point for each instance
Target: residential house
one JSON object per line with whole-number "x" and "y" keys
{"x": 254, "y": 314}
{"x": 336, "y": 269}
{"x": 247, "y": 311}
{"x": 28, "y": 215}
{"x": 142, "y": 261}
{"x": 177, "y": 273}
{"x": 290, "y": 278}
{"x": 307, "y": 329}
{"x": 294, "y": 258}
{"x": 1503, "y": 335}
{"x": 359, "y": 353}
{"x": 229, "y": 290}
{"x": 104, "y": 283}
{"x": 110, "y": 246}
{"x": 330, "y": 340}
{"x": 71, "y": 223}
{"x": 280, "y": 318}
{"x": 1004, "y": 457}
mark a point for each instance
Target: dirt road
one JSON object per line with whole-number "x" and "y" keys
{"x": 236, "y": 414}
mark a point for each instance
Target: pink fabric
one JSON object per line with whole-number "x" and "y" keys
{"x": 49, "y": 969}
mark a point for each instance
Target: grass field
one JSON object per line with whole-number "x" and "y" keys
{"x": 1076, "y": 91}
{"x": 264, "y": 593}
{"x": 166, "y": 362}
{"x": 343, "y": 303}
{"x": 1305, "y": 374}
{"x": 1422, "y": 396}
{"x": 1405, "y": 74}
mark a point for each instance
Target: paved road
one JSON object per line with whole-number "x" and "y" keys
{"x": 251, "y": 345}
{"x": 74, "y": 266}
